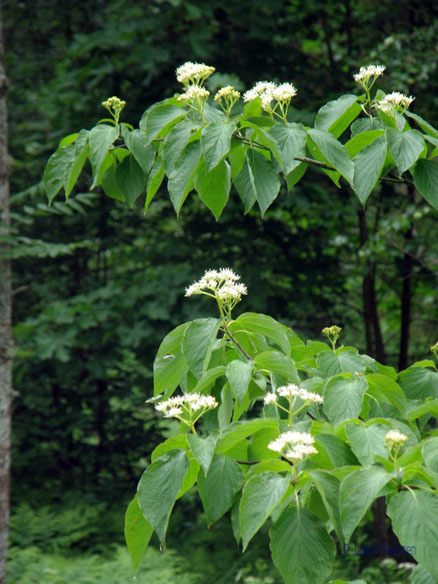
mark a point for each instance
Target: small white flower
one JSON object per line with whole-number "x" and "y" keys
{"x": 270, "y": 398}
{"x": 193, "y": 72}
{"x": 223, "y": 285}
{"x": 292, "y": 390}
{"x": 291, "y": 439}
{"x": 173, "y": 412}
{"x": 284, "y": 92}
{"x": 194, "y": 92}
{"x": 395, "y": 438}
{"x": 365, "y": 73}
{"x": 394, "y": 102}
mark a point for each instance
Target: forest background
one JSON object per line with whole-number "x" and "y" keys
{"x": 98, "y": 286}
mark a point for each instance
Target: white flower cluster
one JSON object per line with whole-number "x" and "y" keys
{"x": 195, "y": 73}
{"x": 223, "y": 284}
{"x": 365, "y": 73}
{"x": 268, "y": 92}
{"x": 194, "y": 92}
{"x": 192, "y": 402}
{"x": 227, "y": 92}
{"x": 394, "y": 102}
{"x": 292, "y": 390}
{"x": 394, "y": 438}
{"x": 294, "y": 445}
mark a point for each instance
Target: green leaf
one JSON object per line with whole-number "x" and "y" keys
{"x": 217, "y": 489}
{"x": 296, "y": 175}
{"x": 332, "y": 452}
{"x": 301, "y": 548}
{"x": 291, "y": 140}
{"x": 55, "y": 171}
{"x": 367, "y": 441}
{"x": 335, "y": 116}
{"x": 265, "y": 325}
{"x": 178, "y": 442}
{"x": 425, "y": 126}
{"x": 154, "y": 182}
{"x": 419, "y": 382}
{"x": 405, "y": 147}
{"x": 328, "y": 487}
{"x": 261, "y": 495}
{"x": 333, "y": 152}
{"x": 368, "y": 165}
{"x": 209, "y": 379}
{"x": 276, "y": 362}
{"x": 415, "y": 522}
{"x": 216, "y": 142}
{"x": 426, "y": 180}
{"x": 138, "y": 532}
{"x": 429, "y": 450}
{"x": 130, "y": 179}
{"x": 386, "y": 390}
{"x": 360, "y": 141}
{"x": 358, "y": 491}
{"x": 110, "y": 186}
{"x": 343, "y": 397}
{"x": 421, "y": 576}
{"x": 214, "y": 187}
{"x": 238, "y": 431}
{"x": 202, "y": 449}
{"x": 197, "y": 343}
{"x": 101, "y": 139}
{"x": 170, "y": 364}
{"x": 182, "y": 178}
{"x": 345, "y": 361}
{"x": 239, "y": 375}
{"x": 430, "y": 406}
{"x": 158, "y": 490}
{"x": 160, "y": 118}
{"x": 174, "y": 143}
{"x": 74, "y": 168}
{"x": 258, "y": 181}
{"x": 143, "y": 153}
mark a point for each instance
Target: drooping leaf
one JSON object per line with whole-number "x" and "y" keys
{"x": 202, "y": 449}
{"x": 335, "y": 116}
{"x": 260, "y": 497}
{"x": 101, "y": 139}
{"x": 278, "y": 363}
{"x": 197, "y": 343}
{"x": 214, "y": 187}
{"x": 426, "y": 180}
{"x": 358, "y": 491}
{"x": 367, "y": 441}
{"x": 301, "y": 548}
{"x": 238, "y": 431}
{"x": 414, "y": 517}
{"x": 138, "y": 532}
{"x": 143, "y": 153}
{"x": 74, "y": 168}
{"x": 258, "y": 181}
{"x": 160, "y": 118}
{"x": 429, "y": 450}
{"x": 216, "y": 142}
{"x": 109, "y": 184}
{"x": 218, "y": 488}
{"x": 333, "y": 152}
{"x": 158, "y": 489}
{"x": 174, "y": 143}
{"x": 419, "y": 382}
{"x": 239, "y": 375}
{"x": 405, "y": 147}
{"x": 267, "y": 326}
{"x": 331, "y": 363}
{"x": 343, "y": 397}
{"x": 291, "y": 140}
{"x": 368, "y": 165}
{"x": 328, "y": 487}
{"x": 361, "y": 141}
{"x": 130, "y": 179}
{"x": 386, "y": 390}
{"x": 56, "y": 168}
{"x": 181, "y": 179}
{"x": 154, "y": 181}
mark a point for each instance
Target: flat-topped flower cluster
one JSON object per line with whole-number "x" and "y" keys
{"x": 220, "y": 284}
{"x": 294, "y": 445}
{"x": 292, "y": 391}
{"x": 268, "y": 92}
{"x": 192, "y": 402}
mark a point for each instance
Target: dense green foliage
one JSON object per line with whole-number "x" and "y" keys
{"x": 307, "y": 261}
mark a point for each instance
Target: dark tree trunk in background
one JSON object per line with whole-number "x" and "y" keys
{"x": 6, "y": 342}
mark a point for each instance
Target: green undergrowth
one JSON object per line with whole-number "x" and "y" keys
{"x": 74, "y": 542}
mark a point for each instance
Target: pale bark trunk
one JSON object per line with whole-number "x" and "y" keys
{"x": 6, "y": 341}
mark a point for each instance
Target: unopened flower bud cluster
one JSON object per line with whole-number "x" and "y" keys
{"x": 292, "y": 391}
{"x": 294, "y": 445}
{"x": 394, "y": 438}
{"x": 114, "y": 105}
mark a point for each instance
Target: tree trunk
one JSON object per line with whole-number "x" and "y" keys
{"x": 6, "y": 342}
